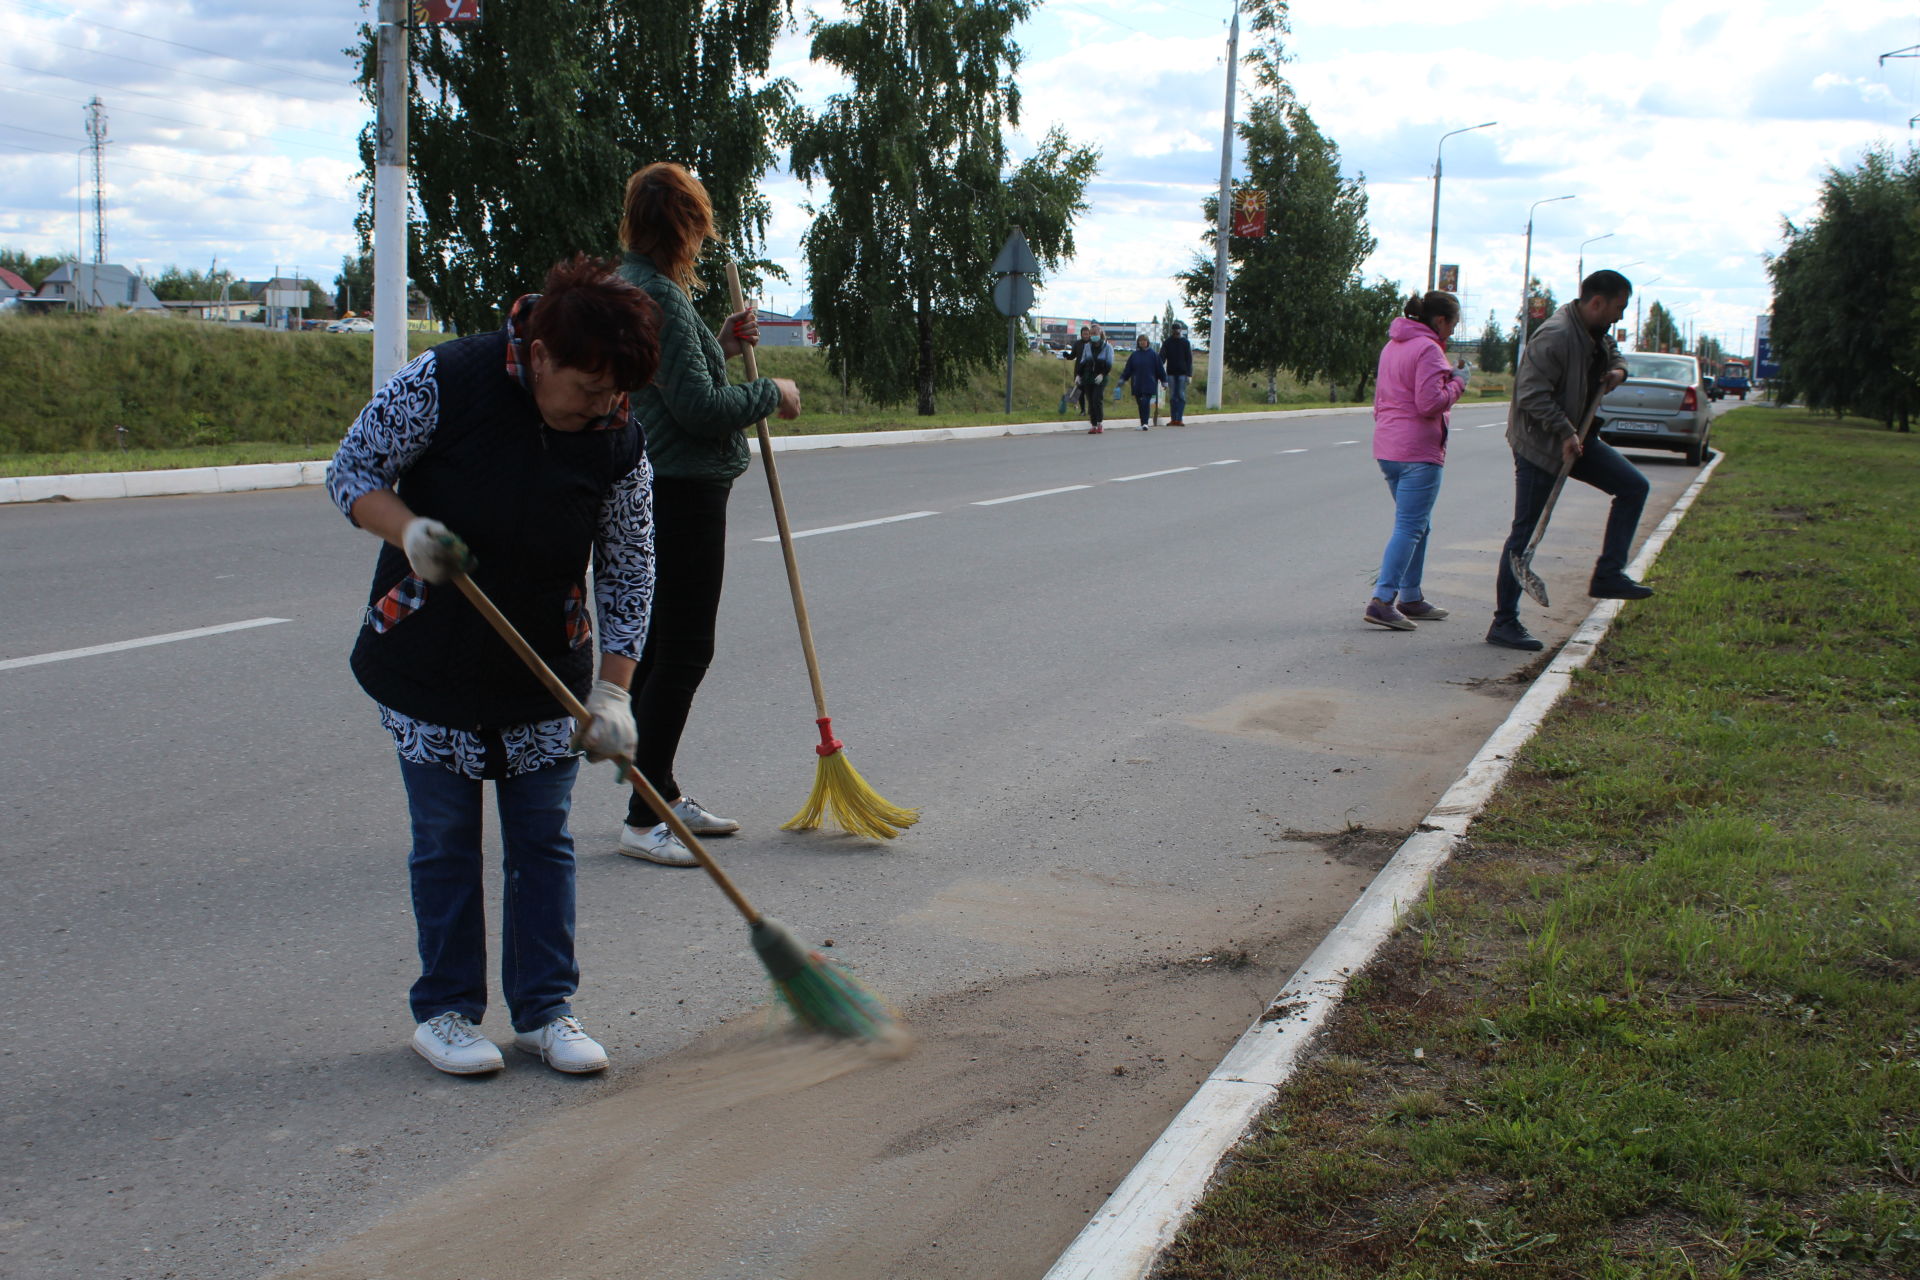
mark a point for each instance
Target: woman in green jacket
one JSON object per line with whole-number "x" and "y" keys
{"x": 694, "y": 422}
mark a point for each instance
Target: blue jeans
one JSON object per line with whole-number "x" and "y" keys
{"x": 538, "y": 973}
{"x": 1414, "y": 486}
{"x": 1177, "y": 396}
{"x": 1599, "y": 465}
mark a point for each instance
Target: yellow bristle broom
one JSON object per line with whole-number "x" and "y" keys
{"x": 838, "y": 789}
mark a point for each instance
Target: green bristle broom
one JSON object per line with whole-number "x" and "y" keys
{"x": 823, "y": 996}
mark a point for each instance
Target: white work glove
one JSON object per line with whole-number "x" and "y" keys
{"x": 435, "y": 551}
{"x": 1464, "y": 372}
{"x": 611, "y": 735}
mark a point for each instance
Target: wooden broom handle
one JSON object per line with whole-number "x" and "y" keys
{"x": 661, "y": 809}
{"x": 780, "y": 518}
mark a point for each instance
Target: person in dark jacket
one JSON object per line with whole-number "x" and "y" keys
{"x": 1176, "y": 358}
{"x": 695, "y": 422}
{"x": 511, "y": 456}
{"x": 1144, "y": 374}
{"x": 1092, "y": 362}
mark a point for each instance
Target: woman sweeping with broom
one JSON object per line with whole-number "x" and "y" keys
{"x": 693, "y": 420}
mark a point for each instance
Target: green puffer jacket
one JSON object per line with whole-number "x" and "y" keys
{"x": 692, "y": 416}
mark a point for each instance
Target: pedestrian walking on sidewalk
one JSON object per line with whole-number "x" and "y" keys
{"x": 511, "y": 456}
{"x": 1176, "y": 358}
{"x": 1415, "y": 391}
{"x": 695, "y": 423}
{"x": 1092, "y": 362}
{"x": 1569, "y": 360}
{"x": 1144, "y": 375}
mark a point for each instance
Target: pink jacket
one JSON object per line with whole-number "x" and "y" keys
{"x": 1412, "y": 394}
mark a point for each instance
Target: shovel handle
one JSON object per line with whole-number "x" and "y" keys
{"x": 564, "y": 696}
{"x": 1559, "y": 482}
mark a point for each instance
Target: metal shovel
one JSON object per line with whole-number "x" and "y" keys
{"x": 1522, "y": 561}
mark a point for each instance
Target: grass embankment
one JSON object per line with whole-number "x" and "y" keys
{"x": 1661, "y": 1016}
{"x": 191, "y": 393}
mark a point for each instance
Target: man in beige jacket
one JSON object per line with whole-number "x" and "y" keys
{"x": 1568, "y": 361}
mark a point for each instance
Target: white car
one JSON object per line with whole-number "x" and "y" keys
{"x": 353, "y": 324}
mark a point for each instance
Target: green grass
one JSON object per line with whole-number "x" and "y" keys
{"x": 191, "y": 393}
{"x": 1667, "y": 998}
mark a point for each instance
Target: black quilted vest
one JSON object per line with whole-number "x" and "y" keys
{"x": 527, "y": 500}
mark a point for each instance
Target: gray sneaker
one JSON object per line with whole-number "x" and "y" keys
{"x": 1382, "y": 614}
{"x": 701, "y": 822}
{"x": 1422, "y": 610}
{"x": 564, "y": 1045}
{"x": 455, "y": 1045}
{"x": 656, "y": 844}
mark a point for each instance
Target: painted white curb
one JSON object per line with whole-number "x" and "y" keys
{"x": 1127, "y": 1234}
{"x": 286, "y": 475}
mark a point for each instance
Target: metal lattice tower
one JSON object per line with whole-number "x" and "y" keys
{"x": 97, "y": 133}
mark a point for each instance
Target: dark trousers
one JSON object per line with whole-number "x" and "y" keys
{"x": 1146, "y": 407}
{"x": 689, "y": 561}
{"x": 1096, "y": 406}
{"x": 1601, "y": 466}
{"x": 538, "y": 973}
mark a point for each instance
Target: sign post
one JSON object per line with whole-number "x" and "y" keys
{"x": 1013, "y": 273}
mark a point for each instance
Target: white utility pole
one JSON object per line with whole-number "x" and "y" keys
{"x": 1217, "y": 337}
{"x": 390, "y": 195}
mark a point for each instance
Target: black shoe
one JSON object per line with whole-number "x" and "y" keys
{"x": 1617, "y": 586}
{"x": 1511, "y": 635}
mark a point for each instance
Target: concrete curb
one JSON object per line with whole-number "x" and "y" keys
{"x": 287, "y": 475}
{"x": 1127, "y": 1234}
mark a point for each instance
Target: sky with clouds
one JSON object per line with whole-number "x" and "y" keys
{"x": 1685, "y": 129}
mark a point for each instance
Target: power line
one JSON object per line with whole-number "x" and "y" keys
{"x": 193, "y": 48}
{"x": 176, "y": 71}
{"x": 236, "y": 176}
{"x": 191, "y": 124}
{"x": 118, "y": 90}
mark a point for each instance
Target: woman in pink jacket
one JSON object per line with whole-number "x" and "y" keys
{"x": 1415, "y": 389}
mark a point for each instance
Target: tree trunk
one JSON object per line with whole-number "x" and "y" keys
{"x": 923, "y": 318}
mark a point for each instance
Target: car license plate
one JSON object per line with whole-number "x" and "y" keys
{"x": 1620, "y": 424}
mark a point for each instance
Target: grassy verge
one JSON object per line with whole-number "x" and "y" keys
{"x": 1661, "y": 1017}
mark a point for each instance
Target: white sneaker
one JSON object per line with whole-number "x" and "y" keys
{"x": 564, "y": 1045}
{"x": 699, "y": 821}
{"x": 454, "y": 1045}
{"x": 658, "y": 844}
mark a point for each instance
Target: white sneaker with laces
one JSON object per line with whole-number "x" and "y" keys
{"x": 699, "y": 821}
{"x": 454, "y": 1045}
{"x": 656, "y": 844}
{"x": 564, "y": 1045}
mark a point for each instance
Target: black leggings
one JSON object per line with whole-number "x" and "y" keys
{"x": 689, "y": 561}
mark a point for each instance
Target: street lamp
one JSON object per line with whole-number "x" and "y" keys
{"x": 1433, "y": 235}
{"x": 1526, "y": 280}
{"x": 1581, "y": 268}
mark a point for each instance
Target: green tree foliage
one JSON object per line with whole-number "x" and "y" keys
{"x": 525, "y": 127}
{"x": 1661, "y": 332}
{"x": 33, "y": 268}
{"x": 353, "y": 287}
{"x": 190, "y": 284}
{"x": 920, "y": 197}
{"x": 1846, "y": 328}
{"x": 1295, "y": 293}
{"x": 1359, "y": 331}
{"x": 1709, "y": 352}
{"x": 1495, "y": 350}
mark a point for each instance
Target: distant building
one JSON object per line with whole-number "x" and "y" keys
{"x": 777, "y": 330}
{"x": 94, "y": 286}
{"x": 13, "y": 286}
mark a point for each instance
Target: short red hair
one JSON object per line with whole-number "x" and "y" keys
{"x": 588, "y": 318}
{"x": 668, "y": 217}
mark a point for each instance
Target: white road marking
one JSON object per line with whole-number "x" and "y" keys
{"x": 1149, "y": 475}
{"x": 1293, "y": 451}
{"x": 1337, "y": 443}
{"x": 1224, "y": 462}
{"x": 858, "y": 524}
{"x": 119, "y": 646}
{"x": 1037, "y": 493}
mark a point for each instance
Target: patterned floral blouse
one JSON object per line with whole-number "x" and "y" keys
{"x": 388, "y": 437}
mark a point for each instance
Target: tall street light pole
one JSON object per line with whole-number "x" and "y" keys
{"x": 390, "y": 194}
{"x": 1223, "y": 227}
{"x": 1581, "y": 268}
{"x": 1526, "y": 280}
{"x": 1433, "y": 234}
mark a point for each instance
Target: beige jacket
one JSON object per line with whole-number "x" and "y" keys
{"x": 1559, "y": 374}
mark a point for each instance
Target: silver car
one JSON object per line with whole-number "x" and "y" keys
{"x": 1663, "y": 404}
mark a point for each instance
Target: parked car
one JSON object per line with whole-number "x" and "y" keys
{"x": 1663, "y": 404}
{"x": 352, "y": 324}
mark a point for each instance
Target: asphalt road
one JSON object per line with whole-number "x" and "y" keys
{"x": 1128, "y": 658}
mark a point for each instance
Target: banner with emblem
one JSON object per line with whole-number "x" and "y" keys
{"x": 1249, "y": 214}
{"x": 441, "y": 12}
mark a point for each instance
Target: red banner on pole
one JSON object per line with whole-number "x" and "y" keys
{"x": 436, "y": 12}
{"x": 1249, "y": 214}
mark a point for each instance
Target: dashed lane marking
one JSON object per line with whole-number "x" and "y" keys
{"x": 857, "y": 524}
{"x": 1037, "y": 493}
{"x": 1149, "y": 475}
{"x": 120, "y": 646}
